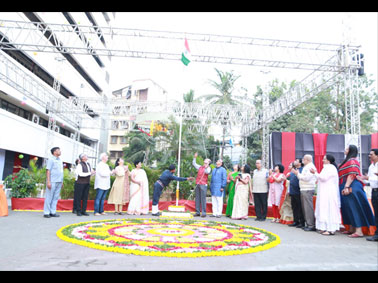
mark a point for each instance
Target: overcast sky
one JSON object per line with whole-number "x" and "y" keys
{"x": 323, "y": 27}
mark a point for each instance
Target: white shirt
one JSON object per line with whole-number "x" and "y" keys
{"x": 79, "y": 171}
{"x": 307, "y": 180}
{"x": 259, "y": 181}
{"x": 373, "y": 179}
{"x": 102, "y": 180}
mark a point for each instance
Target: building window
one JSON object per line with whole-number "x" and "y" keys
{"x": 116, "y": 154}
{"x": 114, "y": 124}
{"x": 143, "y": 94}
{"x": 123, "y": 140}
{"x": 113, "y": 139}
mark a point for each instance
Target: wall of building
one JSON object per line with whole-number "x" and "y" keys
{"x": 19, "y": 135}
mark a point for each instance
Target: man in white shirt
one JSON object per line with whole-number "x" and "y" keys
{"x": 260, "y": 191}
{"x": 372, "y": 178}
{"x": 102, "y": 184}
{"x": 307, "y": 184}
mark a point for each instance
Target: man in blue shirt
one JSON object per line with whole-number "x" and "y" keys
{"x": 295, "y": 195}
{"x": 54, "y": 182}
{"x": 163, "y": 181}
{"x": 217, "y": 187}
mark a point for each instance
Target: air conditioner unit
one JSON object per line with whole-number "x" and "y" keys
{"x": 56, "y": 129}
{"x": 35, "y": 119}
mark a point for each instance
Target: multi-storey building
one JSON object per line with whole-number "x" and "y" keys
{"x": 142, "y": 90}
{"x": 32, "y": 81}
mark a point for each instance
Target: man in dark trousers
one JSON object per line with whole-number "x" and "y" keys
{"x": 372, "y": 179}
{"x": 163, "y": 181}
{"x": 83, "y": 172}
{"x": 295, "y": 195}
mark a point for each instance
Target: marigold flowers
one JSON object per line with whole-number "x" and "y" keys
{"x": 169, "y": 238}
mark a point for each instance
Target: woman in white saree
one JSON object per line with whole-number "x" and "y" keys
{"x": 327, "y": 208}
{"x": 139, "y": 195}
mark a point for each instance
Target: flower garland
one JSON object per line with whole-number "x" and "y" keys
{"x": 169, "y": 238}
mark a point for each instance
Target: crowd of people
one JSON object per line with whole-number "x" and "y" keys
{"x": 340, "y": 197}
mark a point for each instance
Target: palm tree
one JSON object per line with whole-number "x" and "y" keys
{"x": 225, "y": 88}
{"x": 140, "y": 147}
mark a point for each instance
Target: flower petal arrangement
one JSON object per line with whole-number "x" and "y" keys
{"x": 169, "y": 238}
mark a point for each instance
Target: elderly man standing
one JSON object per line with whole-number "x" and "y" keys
{"x": 260, "y": 190}
{"x": 83, "y": 172}
{"x": 102, "y": 184}
{"x": 307, "y": 183}
{"x": 217, "y": 187}
{"x": 201, "y": 185}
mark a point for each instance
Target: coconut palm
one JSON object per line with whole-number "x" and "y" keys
{"x": 225, "y": 87}
{"x": 140, "y": 147}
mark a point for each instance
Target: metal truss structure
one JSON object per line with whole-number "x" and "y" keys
{"x": 329, "y": 64}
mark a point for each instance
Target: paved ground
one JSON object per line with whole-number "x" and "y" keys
{"x": 28, "y": 242}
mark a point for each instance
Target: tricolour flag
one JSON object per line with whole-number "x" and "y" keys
{"x": 185, "y": 56}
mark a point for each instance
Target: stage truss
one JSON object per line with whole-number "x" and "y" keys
{"x": 330, "y": 64}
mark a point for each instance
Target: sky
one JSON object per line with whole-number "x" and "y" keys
{"x": 176, "y": 79}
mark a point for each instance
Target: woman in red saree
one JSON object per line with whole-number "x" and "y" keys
{"x": 355, "y": 208}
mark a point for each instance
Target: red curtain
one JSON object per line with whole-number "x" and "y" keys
{"x": 288, "y": 149}
{"x": 320, "y": 149}
{"x": 374, "y": 140}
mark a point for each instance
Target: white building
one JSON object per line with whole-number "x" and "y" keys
{"x": 142, "y": 90}
{"x": 32, "y": 83}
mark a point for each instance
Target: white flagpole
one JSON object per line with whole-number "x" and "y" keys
{"x": 180, "y": 138}
{"x": 179, "y": 156}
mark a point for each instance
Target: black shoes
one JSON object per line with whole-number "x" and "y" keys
{"x": 309, "y": 229}
{"x": 51, "y": 215}
{"x": 197, "y": 215}
{"x": 373, "y": 238}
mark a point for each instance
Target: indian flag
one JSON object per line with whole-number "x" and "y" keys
{"x": 185, "y": 56}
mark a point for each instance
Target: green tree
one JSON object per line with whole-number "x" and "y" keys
{"x": 225, "y": 87}
{"x": 140, "y": 147}
{"x": 325, "y": 112}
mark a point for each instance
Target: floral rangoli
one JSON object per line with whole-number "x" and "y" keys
{"x": 170, "y": 238}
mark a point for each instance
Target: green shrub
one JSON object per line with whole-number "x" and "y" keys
{"x": 22, "y": 183}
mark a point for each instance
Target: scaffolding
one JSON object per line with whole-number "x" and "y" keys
{"x": 329, "y": 64}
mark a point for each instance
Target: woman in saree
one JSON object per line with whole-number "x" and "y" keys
{"x": 139, "y": 195}
{"x": 285, "y": 209}
{"x": 327, "y": 207}
{"x": 231, "y": 189}
{"x": 276, "y": 187}
{"x": 355, "y": 208}
{"x": 120, "y": 192}
{"x": 242, "y": 191}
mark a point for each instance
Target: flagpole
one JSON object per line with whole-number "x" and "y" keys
{"x": 180, "y": 136}
{"x": 179, "y": 155}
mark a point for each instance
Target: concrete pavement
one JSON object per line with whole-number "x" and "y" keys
{"x": 28, "y": 242}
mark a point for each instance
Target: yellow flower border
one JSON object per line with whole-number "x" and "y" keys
{"x": 80, "y": 242}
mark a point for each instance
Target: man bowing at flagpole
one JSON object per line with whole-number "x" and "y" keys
{"x": 163, "y": 181}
